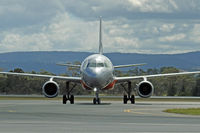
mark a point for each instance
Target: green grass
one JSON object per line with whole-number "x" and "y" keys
{"x": 188, "y": 111}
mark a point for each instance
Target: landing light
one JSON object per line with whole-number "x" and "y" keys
{"x": 95, "y": 89}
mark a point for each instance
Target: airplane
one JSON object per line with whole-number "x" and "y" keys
{"x": 97, "y": 74}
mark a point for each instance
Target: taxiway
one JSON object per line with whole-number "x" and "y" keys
{"x": 21, "y": 116}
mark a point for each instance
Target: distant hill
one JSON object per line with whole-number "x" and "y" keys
{"x": 36, "y": 61}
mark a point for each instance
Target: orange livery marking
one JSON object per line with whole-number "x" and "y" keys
{"x": 110, "y": 86}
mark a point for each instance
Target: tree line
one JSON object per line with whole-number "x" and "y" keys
{"x": 183, "y": 85}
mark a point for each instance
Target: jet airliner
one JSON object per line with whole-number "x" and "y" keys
{"x": 97, "y": 74}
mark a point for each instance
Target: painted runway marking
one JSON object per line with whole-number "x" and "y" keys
{"x": 144, "y": 112}
{"x": 11, "y": 111}
{"x": 127, "y": 110}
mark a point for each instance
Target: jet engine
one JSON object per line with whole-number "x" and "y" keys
{"x": 50, "y": 89}
{"x": 145, "y": 89}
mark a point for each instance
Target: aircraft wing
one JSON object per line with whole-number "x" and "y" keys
{"x": 130, "y": 65}
{"x": 73, "y": 79}
{"x": 68, "y": 65}
{"x": 124, "y": 79}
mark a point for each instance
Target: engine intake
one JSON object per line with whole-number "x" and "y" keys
{"x": 50, "y": 89}
{"x": 145, "y": 89}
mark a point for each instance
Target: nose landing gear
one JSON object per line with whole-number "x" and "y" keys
{"x": 96, "y": 100}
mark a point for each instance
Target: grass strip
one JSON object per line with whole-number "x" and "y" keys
{"x": 186, "y": 111}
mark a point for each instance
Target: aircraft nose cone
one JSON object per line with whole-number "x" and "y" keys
{"x": 96, "y": 74}
{"x": 96, "y": 78}
{"x": 92, "y": 72}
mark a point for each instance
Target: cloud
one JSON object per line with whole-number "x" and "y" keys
{"x": 17, "y": 42}
{"x": 62, "y": 33}
{"x": 167, "y": 27}
{"x": 176, "y": 37}
{"x": 20, "y": 13}
{"x": 195, "y": 34}
{"x": 142, "y": 26}
{"x": 149, "y": 6}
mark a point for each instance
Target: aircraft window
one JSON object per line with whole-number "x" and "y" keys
{"x": 85, "y": 64}
{"x": 91, "y": 64}
{"x": 105, "y": 64}
{"x": 97, "y": 65}
{"x": 100, "y": 64}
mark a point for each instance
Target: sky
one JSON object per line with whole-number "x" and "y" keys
{"x": 129, "y": 26}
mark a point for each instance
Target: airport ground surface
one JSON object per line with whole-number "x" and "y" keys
{"x": 50, "y": 116}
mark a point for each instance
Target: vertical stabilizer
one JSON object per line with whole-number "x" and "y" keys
{"x": 100, "y": 38}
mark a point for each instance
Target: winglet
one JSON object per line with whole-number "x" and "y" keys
{"x": 100, "y": 37}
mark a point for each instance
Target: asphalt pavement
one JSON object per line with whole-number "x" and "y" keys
{"x": 31, "y": 116}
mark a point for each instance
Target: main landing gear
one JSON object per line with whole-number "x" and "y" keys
{"x": 67, "y": 96}
{"x": 128, "y": 96}
{"x": 96, "y": 100}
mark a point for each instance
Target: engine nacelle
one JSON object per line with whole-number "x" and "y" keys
{"x": 145, "y": 89}
{"x": 50, "y": 89}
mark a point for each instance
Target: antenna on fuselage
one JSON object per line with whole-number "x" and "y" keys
{"x": 100, "y": 37}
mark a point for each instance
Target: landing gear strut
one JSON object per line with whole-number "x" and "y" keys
{"x": 96, "y": 100}
{"x": 67, "y": 96}
{"x": 129, "y": 96}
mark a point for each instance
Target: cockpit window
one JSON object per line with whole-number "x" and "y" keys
{"x": 91, "y": 64}
{"x": 96, "y": 64}
{"x": 100, "y": 64}
{"x": 105, "y": 64}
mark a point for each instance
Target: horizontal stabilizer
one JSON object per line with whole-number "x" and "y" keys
{"x": 68, "y": 65}
{"x": 129, "y": 65}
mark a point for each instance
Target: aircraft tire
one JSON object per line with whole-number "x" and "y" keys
{"x": 64, "y": 99}
{"x": 94, "y": 101}
{"x": 99, "y": 101}
{"x": 72, "y": 99}
{"x": 132, "y": 99}
{"x": 125, "y": 99}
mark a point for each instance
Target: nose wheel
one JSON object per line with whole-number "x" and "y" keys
{"x": 96, "y": 100}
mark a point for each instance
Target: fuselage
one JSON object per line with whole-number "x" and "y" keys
{"x": 97, "y": 73}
